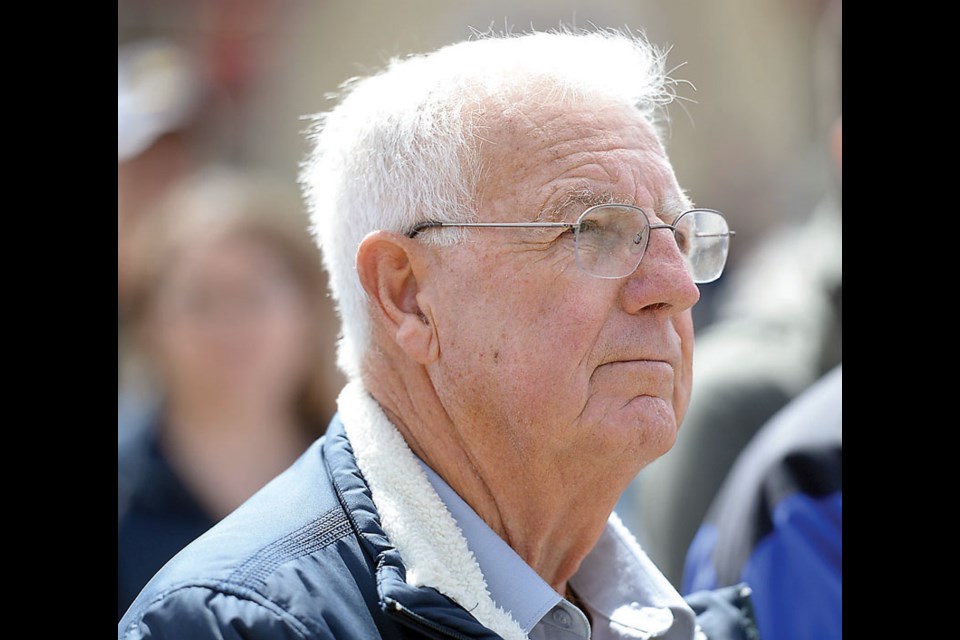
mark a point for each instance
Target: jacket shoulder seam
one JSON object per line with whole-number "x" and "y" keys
{"x": 256, "y": 569}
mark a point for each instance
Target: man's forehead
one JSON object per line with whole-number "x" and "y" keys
{"x": 557, "y": 160}
{"x": 552, "y": 125}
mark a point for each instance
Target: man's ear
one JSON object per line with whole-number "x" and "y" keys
{"x": 388, "y": 264}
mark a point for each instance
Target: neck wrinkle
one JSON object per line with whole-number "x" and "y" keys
{"x": 431, "y": 435}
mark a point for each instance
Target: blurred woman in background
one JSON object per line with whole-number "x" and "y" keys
{"x": 231, "y": 320}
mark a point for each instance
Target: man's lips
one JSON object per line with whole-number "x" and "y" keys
{"x": 655, "y": 360}
{"x": 640, "y": 377}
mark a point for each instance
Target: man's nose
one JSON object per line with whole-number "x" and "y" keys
{"x": 662, "y": 282}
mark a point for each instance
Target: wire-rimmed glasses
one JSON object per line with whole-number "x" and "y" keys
{"x": 610, "y": 239}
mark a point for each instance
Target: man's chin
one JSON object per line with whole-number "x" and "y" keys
{"x": 644, "y": 429}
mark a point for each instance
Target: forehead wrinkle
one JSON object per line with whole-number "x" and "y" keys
{"x": 661, "y": 197}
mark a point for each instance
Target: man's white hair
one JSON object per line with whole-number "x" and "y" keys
{"x": 402, "y": 146}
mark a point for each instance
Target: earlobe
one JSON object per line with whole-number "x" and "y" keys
{"x": 388, "y": 267}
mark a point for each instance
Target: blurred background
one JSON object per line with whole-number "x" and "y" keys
{"x": 225, "y": 333}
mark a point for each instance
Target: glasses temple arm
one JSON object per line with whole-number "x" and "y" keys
{"x": 499, "y": 225}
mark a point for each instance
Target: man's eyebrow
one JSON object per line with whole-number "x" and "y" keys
{"x": 668, "y": 208}
{"x": 582, "y": 198}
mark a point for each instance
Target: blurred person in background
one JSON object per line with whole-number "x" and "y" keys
{"x": 159, "y": 101}
{"x": 779, "y": 329}
{"x": 777, "y": 523}
{"x": 228, "y": 310}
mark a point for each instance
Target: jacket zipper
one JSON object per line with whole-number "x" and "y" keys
{"x": 413, "y": 619}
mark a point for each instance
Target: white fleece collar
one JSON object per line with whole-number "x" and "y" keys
{"x": 434, "y": 551}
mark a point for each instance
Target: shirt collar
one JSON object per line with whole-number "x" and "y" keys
{"x": 624, "y": 592}
{"x": 513, "y": 585}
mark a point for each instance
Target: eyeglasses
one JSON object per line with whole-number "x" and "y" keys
{"x": 610, "y": 239}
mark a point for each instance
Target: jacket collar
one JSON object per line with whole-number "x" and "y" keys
{"x": 405, "y": 527}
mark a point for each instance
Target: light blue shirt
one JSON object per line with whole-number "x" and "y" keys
{"x": 623, "y": 601}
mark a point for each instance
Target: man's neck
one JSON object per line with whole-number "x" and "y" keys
{"x": 551, "y": 530}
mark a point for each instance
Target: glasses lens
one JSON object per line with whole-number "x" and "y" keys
{"x": 611, "y": 240}
{"x": 704, "y": 239}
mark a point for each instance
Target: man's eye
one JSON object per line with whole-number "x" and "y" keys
{"x": 590, "y": 226}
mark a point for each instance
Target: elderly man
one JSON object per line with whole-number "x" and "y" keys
{"x": 514, "y": 265}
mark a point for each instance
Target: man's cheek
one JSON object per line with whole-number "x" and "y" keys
{"x": 683, "y": 325}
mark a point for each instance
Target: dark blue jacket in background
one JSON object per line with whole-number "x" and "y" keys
{"x": 157, "y": 516}
{"x": 777, "y": 524}
{"x": 306, "y": 557}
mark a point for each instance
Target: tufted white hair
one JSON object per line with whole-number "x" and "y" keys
{"x": 403, "y": 145}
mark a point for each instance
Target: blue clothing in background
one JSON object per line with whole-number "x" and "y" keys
{"x": 777, "y": 523}
{"x": 156, "y": 515}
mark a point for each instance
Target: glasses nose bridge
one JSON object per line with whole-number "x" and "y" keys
{"x": 662, "y": 225}
{"x": 669, "y": 255}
